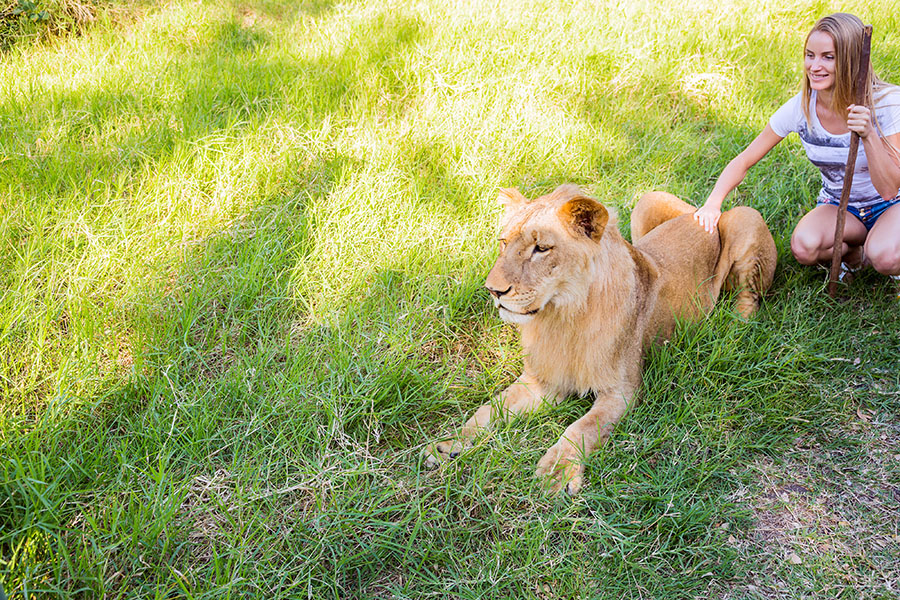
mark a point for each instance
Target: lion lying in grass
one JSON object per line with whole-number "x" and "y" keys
{"x": 588, "y": 304}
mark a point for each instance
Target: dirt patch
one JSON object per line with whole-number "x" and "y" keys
{"x": 205, "y": 509}
{"x": 824, "y": 518}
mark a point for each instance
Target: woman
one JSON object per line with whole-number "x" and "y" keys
{"x": 823, "y": 116}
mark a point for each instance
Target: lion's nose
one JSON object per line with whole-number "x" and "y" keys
{"x": 497, "y": 293}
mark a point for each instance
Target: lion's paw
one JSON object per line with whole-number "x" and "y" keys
{"x": 562, "y": 467}
{"x": 440, "y": 452}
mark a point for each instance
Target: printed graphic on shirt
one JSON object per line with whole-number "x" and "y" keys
{"x": 828, "y": 152}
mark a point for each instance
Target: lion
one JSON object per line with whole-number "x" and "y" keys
{"x": 588, "y": 304}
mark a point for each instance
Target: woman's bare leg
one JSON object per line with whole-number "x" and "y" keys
{"x": 883, "y": 242}
{"x": 813, "y": 238}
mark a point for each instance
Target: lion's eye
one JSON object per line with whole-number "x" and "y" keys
{"x": 539, "y": 249}
{"x": 502, "y": 245}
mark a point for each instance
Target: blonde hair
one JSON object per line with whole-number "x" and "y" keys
{"x": 846, "y": 31}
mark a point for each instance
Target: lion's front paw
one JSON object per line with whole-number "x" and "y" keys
{"x": 563, "y": 468}
{"x": 440, "y": 452}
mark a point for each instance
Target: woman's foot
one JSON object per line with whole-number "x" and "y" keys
{"x": 848, "y": 273}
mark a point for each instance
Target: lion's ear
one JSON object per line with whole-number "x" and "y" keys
{"x": 584, "y": 216}
{"x": 511, "y": 198}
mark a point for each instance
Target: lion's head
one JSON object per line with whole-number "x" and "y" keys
{"x": 547, "y": 252}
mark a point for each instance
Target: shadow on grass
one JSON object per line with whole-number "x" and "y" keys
{"x": 121, "y": 133}
{"x": 225, "y": 322}
{"x": 231, "y": 87}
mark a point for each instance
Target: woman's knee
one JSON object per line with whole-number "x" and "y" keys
{"x": 884, "y": 256}
{"x": 806, "y": 247}
{"x": 883, "y": 242}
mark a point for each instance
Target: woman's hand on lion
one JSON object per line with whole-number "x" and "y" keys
{"x": 708, "y": 217}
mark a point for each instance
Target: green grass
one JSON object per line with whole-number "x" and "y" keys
{"x": 243, "y": 245}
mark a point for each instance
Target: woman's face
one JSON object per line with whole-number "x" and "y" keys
{"x": 819, "y": 62}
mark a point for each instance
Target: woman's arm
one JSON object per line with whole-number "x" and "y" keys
{"x": 733, "y": 174}
{"x": 884, "y": 166}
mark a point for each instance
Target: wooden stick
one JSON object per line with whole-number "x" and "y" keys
{"x": 861, "y": 78}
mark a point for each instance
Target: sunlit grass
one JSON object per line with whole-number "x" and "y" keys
{"x": 240, "y": 288}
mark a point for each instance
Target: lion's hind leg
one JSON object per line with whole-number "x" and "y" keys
{"x": 747, "y": 262}
{"x": 654, "y": 208}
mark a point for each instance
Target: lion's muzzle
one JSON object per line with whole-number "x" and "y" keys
{"x": 497, "y": 293}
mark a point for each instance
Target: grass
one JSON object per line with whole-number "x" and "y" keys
{"x": 240, "y": 289}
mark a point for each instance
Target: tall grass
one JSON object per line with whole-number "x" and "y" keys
{"x": 240, "y": 289}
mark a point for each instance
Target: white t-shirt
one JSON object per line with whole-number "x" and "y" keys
{"x": 829, "y": 152}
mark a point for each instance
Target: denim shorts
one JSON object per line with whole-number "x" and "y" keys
{"x": 867, "y": 215}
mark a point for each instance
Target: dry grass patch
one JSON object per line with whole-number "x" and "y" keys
{"x": 825, "y": 514}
